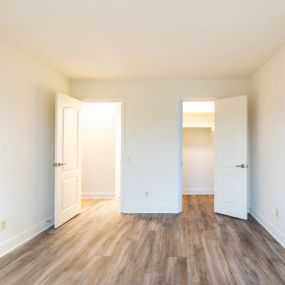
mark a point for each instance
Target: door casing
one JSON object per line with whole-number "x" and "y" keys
{"x": 180, "y": 150}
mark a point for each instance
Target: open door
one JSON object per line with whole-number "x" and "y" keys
{"x": 67, "y": 159}
{"x": 231, "y": 157}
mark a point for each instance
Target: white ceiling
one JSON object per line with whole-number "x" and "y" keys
{"x": 147, "y": 38}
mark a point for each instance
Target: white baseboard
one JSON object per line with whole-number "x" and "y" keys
{"x": 150, "y": 209}
{"x": 98, "y": 195}
{"x": 276, "y": 233}
{"x": 26, "y": 235}
{"x": 198, "y": 191}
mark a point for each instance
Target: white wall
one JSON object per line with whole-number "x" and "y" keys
{"x": 99, "y": 149}
{"x": 198, "y": 161}
{"x": 199, "y": 119}
{"x": 27, "y": 90}
{"x": 267, "y": 116}
{"x": 151, "y": 124}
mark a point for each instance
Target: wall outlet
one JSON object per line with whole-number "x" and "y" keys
{"x": 2, "y": 225}
{"x": 146, "y": 194}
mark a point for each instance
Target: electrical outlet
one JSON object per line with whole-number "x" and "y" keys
{"x": 2, "y": 225}
{"x": 146, "y": 194}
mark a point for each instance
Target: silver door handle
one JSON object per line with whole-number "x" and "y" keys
{"x": 57, "y": 164}
{"x": 243, "y": 165}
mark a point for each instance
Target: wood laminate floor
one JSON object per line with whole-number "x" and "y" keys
{"x": 102, "y": 246}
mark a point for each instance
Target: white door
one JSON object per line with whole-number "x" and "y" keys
{"x": 67, "y": 159}
{"x": 231, "y": 157}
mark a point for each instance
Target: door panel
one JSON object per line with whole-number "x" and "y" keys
{"x": 70, "y": 138}
{"x": 230, "y": 187}
{"x": 67, "y": 159}
{"x": 231, "y": 153}
{"x": 69, "y": 192}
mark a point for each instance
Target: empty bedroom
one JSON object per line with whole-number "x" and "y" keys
{"x": 142, "y": 142}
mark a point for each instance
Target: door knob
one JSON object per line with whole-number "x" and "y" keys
{"x": 57, "y": 164}
{"x": 243, "y": 165}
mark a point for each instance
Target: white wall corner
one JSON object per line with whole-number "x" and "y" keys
{"x": 272, "y": 229}
{"x": 98, "y": 195}
{"x": 25, "y": 236}
{"x": 198, "y": 191}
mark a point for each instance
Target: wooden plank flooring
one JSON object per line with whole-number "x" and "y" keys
{"x": 102, "y": 246}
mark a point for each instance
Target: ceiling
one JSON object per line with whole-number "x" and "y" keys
{"x": 127, "y": 39}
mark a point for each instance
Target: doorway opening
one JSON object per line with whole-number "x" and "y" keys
{"x": 198, "y": 150}
{"x": 88, "y": 150}
{"x": 101, "y": 150}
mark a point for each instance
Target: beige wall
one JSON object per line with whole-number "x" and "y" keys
{"x": 199, "y": 119}
{"x": 99, "y": 146}
{"x": 27, "y": 90}
{"x": 267, "y": 109}
{"x": 198, "y": 161}
{"x": 151, "y": 134}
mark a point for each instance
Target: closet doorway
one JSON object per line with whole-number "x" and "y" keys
{"x": 214, "y": 143}
{"x": 198, "y": 148}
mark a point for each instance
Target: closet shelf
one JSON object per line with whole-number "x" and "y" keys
{"x": 199, "y": 125}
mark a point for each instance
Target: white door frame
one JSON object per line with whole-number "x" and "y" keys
{"x": 180, "y": 141}
{"x": 122, "y": 164}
